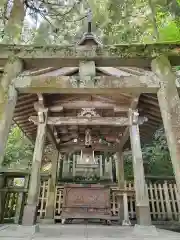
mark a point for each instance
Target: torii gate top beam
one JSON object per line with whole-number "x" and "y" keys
{"x": 136, "y": 55}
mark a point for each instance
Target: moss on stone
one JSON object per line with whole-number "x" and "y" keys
{"x": 3, "y": 100}
{"x": 123, "y": 51}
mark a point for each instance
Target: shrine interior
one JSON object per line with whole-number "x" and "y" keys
{"x": 73, "y": 136}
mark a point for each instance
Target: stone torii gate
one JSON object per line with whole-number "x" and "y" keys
{"x": 17, "y": 60}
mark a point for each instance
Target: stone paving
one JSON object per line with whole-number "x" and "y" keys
{"x": 88, "y": 232}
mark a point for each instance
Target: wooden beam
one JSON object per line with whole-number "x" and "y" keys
{"x": 51, "y": 137}
{"x": 112, "y": 137}
{"x": 94, "y": 85}
{"x": 78, "y": 147}
{"x": 135, "y": 55}
{"x": 39, "y": 108}
{"x": 87, "y": 104}
{"x": 103, "y": 121}
{"x": 124, "y": 138}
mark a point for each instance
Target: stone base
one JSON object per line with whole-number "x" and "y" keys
{"x": 29, "y": 230}
{"x": 29, "y": 215}
{"x": 143, "y": 215}
{"x": 126, "y": 223}
{"x": 47, "y": 221}
{"x": 145, "y": 230}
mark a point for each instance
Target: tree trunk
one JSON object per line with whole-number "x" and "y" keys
{"x": 174, "y": 8}
{"x": 3, "y": 7}
{"x": 14, "y": 25}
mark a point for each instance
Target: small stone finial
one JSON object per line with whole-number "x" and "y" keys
{"x": 89, "y": 38}
{"x": 89, "y": 18}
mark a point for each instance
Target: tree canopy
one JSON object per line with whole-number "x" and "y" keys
{"x": 19, "y": 149}
{"x": 64, "y": 21}
{"x": 156, "y": 157}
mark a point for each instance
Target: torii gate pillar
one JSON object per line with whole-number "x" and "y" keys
{"x": 30, "y": 210}
{"x": 169, "y": 104}
{"x": 142, "y": 201}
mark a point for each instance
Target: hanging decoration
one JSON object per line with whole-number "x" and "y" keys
{"x": 88, "y": 138}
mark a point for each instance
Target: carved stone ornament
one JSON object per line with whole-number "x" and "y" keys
{"x": 135, "y": 116}
{"x": 87, "y": 82}
{"x": 138, "y": 120}
{"x": 142, "y": 120}
{"x": 74, "y": 82}
{"x": 88, "y": 112}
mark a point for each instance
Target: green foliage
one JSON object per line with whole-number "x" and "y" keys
{"x": 19, "y": 150}
{"x": 62, "y": 22}
{"x": 128, "y": 167}
{"x": 155, "y": 156}
{"x": 170, "y": 31}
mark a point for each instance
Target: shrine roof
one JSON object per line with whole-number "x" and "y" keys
{"x": 73, "y": 104}
{"x": 116, "y": 61}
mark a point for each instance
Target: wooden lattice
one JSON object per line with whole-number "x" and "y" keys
{"x": 131, "y": 201}
{"x": 59, "y": 201}
{"x": 43, "y": 197}
{"x": 10, "y": 205}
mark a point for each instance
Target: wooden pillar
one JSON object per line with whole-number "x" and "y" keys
{"x": 58, "y": 165}
{"x": 61, "y": 166}
{"x": 19, "y": 208}
{"x": 167, "y": 201}
{"x": 2, "y": 196}
{"x": 106, "y": 166}
{"x": 120, "y": 181}
{"x": 30, "y": 210}
{"x": 110, "y": 168}
{"x": 100, "y": 166}
{"x": 120, "y": 169}
{"x": 126, "y": 221}
{"x": 8, "y": 98}
{"x": 116, "y": 157}
{"x": 74, "y": 165}
{"x": 68, "y": 163}
{"x": 142, "y": 201}
{"x": 65, "y": 165}
{"x": 169, "y": 104}
{"x": 20, "y": 202}
{"x": 49, "y": 218}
